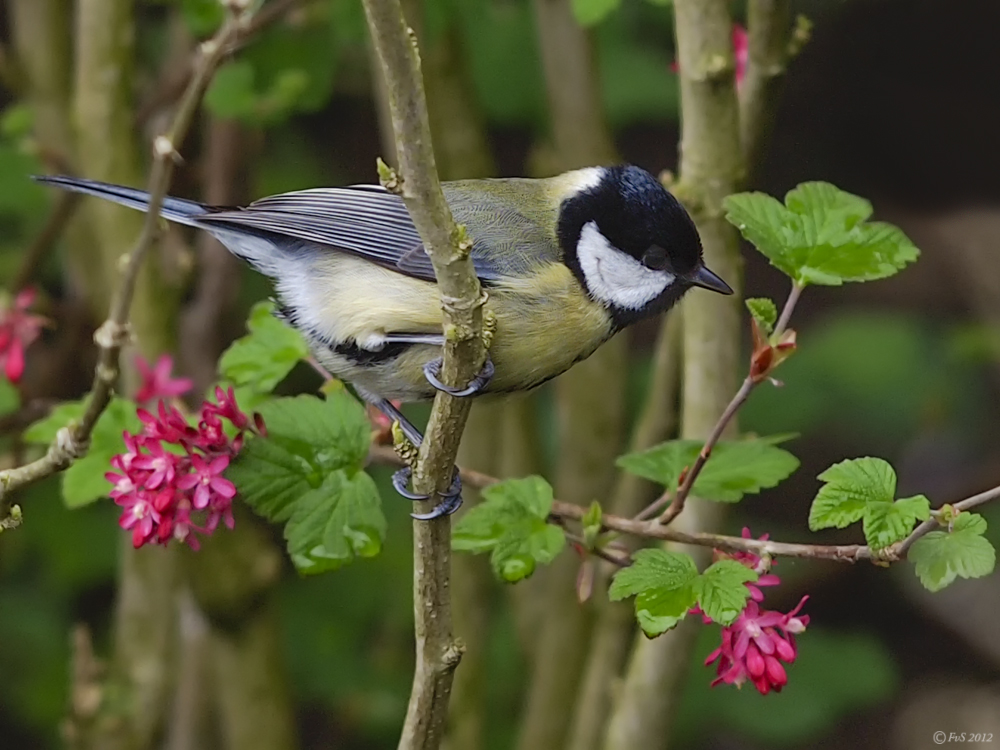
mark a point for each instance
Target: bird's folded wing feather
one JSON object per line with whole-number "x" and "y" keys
{"x": 364, "y": 220}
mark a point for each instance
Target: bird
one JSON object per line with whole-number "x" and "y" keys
{"x": 566, "y": 262}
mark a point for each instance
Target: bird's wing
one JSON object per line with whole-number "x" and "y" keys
{"x": 371, "y": 222}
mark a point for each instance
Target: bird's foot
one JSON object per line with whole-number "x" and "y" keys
{"x": 451, "y": 499}
{"x": 433, "y": 369}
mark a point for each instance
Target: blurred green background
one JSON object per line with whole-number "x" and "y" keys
{"x": 891, "y": 99}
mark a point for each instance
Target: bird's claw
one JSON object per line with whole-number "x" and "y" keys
{"x": 433, "y": 368}
{"x": 451, "y": 498}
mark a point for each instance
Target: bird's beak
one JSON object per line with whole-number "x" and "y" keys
{"x": 708, "y": 280}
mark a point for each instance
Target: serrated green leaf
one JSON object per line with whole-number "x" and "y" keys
{"x": 336, "y": 522}
{"x": 43, "y": 432}
{"x": 307, "y": 440}
{"x": 662, "y": 583}
{"x": 941, "y": 556}
{"x": 850, "y": 486}
{"x": 734, "y": 469}
{"x": 659, "y": 610}
{"x": 591, "y": 12}
{"x": 721, "y": 590}
{"x": 888, "y": 523}
{"x": 763, "y": 311}
{"x": 511, "y": 524}
{"x": 820, "y": 235}
{"x": 652, "y": 569}
{"x": 266, "y": 355}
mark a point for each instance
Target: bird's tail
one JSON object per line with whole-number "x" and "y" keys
{"x": 175, "y": 209}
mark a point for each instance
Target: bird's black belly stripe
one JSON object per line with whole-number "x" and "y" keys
{"x": 358, "y": 355}
{"x": 367, "y": 357}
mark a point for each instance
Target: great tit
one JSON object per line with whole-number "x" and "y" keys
{"x": 567, "y": 262}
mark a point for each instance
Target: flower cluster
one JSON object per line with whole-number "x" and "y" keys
{"x": 18, "y": 329}
{"x": 171, "y": 472}
{"x": 754, "y": 647}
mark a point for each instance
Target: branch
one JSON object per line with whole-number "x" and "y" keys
{"x": 675, "y": 503}
{"x": 448, "y": 247}
{"x": 72, "y": 441}
{"x": 767, "y": 56}
{"x": 850, "y": 553}
{"x": 174, "y": 81}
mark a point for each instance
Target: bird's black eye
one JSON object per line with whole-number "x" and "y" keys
{"x": 656, "y": 258}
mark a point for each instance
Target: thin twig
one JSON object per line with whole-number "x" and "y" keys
{"x": 438, "y": 653}
{"x": 173, "y": 82}
{"x": 674, "y": 502}
{"x": 72, "y": 441}
{"x": 786, "y": 312}
{"x": 562, "y": 511}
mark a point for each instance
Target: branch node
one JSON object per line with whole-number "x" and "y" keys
{"x": 163, "y": 148}
{"x": 69, "y": 446}
{"x": 13, "y": 519}
{"x": 453, "y": 655}
{"x": 389, "y": 177}
{"x": 112, "y": 335}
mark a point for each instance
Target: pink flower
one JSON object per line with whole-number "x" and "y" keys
{"x": 18, "y": 330}
{"x": 207, "y": 480}
{"x": 754, "y": 646}
{"x": 741, "y": 53}
{"x": 159, "y": 489}
{"x": 156, "y": 381}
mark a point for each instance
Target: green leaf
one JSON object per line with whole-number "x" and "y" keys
{"x": 888, "y": 523}
{"x": 820, "y": 235}
{"x": 663, "y": 584}
{"x": 763, "y": 311}
{"x": 43, "y": 432}
{"x": 850, "y": 486}
{"x": 721, "y": 590}
{"x": 84, "y": 482}
{"x": 734, "y": 469}
{"x": 336, "y": 522}
{"x": 864, "y": 488}
{"x": 942, "y": 556}
{"x": 307, "y": 440}
{"x": 591, "y": 12}
{"x": 511, "y": 524}
{"x": 266, "y": 355}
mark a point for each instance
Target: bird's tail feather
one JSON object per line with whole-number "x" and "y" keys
{"x": 175, "y": 209}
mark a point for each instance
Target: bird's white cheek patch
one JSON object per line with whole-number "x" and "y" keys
{"x": 615, "y": 277}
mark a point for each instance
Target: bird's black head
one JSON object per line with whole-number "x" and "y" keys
{"x": 631, "y": 244}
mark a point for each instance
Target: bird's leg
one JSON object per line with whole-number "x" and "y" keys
{"x": 432, "y": 369}
{"x": 406, "y": 441}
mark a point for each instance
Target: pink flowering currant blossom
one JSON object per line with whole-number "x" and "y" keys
{"x": 166, "y": 493}
{"x": 754, "y": 647}
{"x": 156, "y": 382}
{"x": 18, "y": 329}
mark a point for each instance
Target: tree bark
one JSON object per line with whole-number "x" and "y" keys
{"x": 711, "y": 168}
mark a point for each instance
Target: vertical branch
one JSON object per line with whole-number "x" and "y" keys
{"x": 767, "y": 26}
{"x": 711, "y": 168}
{"x": 232, "y": 578}
{"x": 203, "y": 323}
{"x": 42, "y": 35}
{"x": 616, "y": 624}
{"x": 145, "y": 618}
{"x": 590, "y": 429}
{"x": 437, "y": 651}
